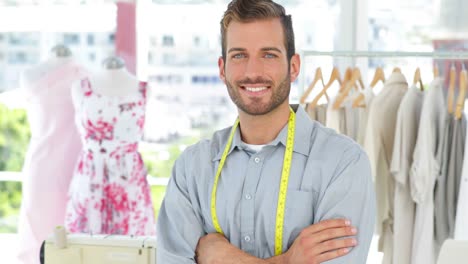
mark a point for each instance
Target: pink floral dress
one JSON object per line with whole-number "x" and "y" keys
{"x": 109, "y": 193}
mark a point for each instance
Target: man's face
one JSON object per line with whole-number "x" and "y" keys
{"x": 256, "y": 71}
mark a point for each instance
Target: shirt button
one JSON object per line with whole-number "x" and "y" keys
{"x": 248, "y": 196}
{"x": 257, "y": 159}
{"x": 247, "y": 238}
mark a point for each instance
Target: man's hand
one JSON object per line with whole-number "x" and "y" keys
{"x": 319, "y": 242}
{"x": 216, "y": 249}
{"x": 209, "y": 247}
{"x": 315, "y": 244}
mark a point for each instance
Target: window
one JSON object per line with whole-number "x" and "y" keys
{"x": 196, "y": 41}
{"x": 417, "y": 25}
{"x": 168, "y": 41}
{"x": 71, "y": 39}
{"x": 23, "y": 39}
{"x": 17, "y": 58}
{"x": 169, "y": 59}
{"x": 90, "y": 39}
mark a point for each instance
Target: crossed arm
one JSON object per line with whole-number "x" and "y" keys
{"x": 350, "y": 195}
{"x": 315, "y": 244}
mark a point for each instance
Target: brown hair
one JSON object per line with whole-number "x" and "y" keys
{"x": 251, "y": 10}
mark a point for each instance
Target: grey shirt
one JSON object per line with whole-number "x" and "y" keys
{"x": 318, "y": 113}
{"x": 406, "y": 133}
{"x": 441, "y": 226}
{"x": 457, "y": 152}
{"x": 330, "y": 178}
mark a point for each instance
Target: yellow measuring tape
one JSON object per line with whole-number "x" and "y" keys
{"x": 283, "y": 184}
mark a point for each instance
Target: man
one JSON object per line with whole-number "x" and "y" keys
{"x": 276, "y": 187}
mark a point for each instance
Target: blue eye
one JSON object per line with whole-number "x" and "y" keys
{"x": 270, "y": 55}
{"x": 238, "y": 56}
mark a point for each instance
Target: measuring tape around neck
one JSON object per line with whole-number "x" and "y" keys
{"x": 283, "y": 183}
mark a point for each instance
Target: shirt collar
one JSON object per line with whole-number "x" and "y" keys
{"x": 396, "y": 78}
{"x": 303, "y": 131}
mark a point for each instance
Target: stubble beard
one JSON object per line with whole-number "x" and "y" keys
{"x": 256, "y": 107}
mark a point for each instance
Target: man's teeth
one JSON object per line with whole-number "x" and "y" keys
{"x": 255, "y": 89}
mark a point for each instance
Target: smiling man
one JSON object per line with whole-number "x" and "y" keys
{"x": 275, "y": 187}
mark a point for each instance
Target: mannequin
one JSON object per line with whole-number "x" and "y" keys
{"x": 109, "y": 193}
{"x": 113, "y": 79}
{"x": 113, "y": 63}
{"x": 52, "y": 152}
{"x": 58, "y": 56}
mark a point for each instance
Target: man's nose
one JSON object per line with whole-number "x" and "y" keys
{"x": 254, "y": 68}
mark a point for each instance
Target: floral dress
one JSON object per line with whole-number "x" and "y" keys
{"x": 109, "y": 193}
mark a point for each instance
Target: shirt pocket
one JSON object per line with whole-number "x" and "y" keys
{"x": 299, "y": 213}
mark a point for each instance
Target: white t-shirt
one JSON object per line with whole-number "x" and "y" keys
{"x": 405, "y": 140}
{"x": 380, "y": 134}
{"x": 425, "y": 170}
{"x": 255, "y": 148}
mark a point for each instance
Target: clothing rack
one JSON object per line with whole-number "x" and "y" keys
{"x": 438, "y": 55}
{"x": 452, "y": 55}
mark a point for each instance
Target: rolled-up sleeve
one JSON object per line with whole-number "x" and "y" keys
{"x": 179, "y": 226}
{"x": 350, "y": 194}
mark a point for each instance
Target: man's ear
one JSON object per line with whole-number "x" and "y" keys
{"x": 222, "y": 73}
{"x": 295, "y": 67}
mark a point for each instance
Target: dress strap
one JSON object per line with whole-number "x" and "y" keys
{"x": 86, "y": 87}
{"x": 142, "y": 87}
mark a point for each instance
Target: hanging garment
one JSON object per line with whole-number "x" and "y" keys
{"x": 441, "y": 226}
{"x": 51, "y": 155}
{"x": 363, "y": 114}
{"x": 335, "y": 118}
{"x": 448, "y": 182}
{"x": 406, "y": 132}
{"x": 351, "y": 116}
{"x": 455, "y": 167}
{"x": 380, "y": 134}
{"x": 344, "y": 120}
{"x": 425, "y": 169}
{"x": 109, "y": 193}
{"x": 461, "y": 226}
{"x": 318, "y": 113}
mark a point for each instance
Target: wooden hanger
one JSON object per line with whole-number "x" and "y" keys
{"x": 335, "y": 76}
{"x": 356, "y": 77}
{"x": 397, "y": 69}
{"x": 451, "y": 89}
{"x": 357, "y": 102}
{"x": 359, "y": 78}
{"x": 417, "y": 79}
{"x": 318, "y": 77}
{"x": 436, "y": 70}
{"x": 461, "y": 94}
{"x": 379, "y": 75}
{"x": 348, "y": 75}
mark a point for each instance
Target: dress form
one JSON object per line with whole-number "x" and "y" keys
{"x": 59, "y": 55}
{"x": 114, "y": 79}
{"x": 52, "y": 151}
{"x": 109, "y": 193}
